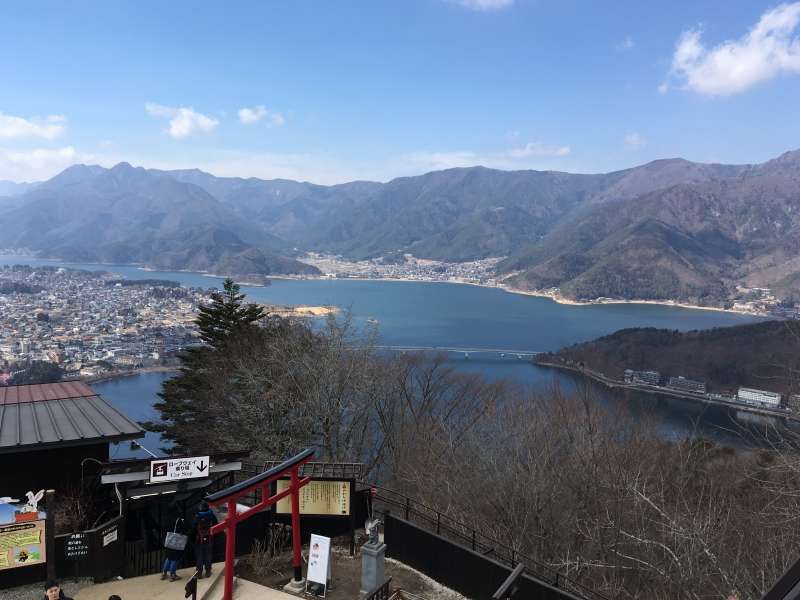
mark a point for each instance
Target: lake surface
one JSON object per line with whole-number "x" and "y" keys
{"x": 448, "y": 315}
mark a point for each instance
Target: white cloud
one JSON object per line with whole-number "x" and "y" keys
{"x": 532, "y": 155}
{"x": 734, "y": 66}
{"x": 634, "y": 141}
{"x": 482, "y": 5}
{"x": 626, "y": 44}
{"x": 258, "y": 113}
{"x": 39, "y": 163}
{"x": 663, "y": 88}
{"x": 537, "y": 149}
{"x": 184, "y": 121}
{"x": 17, "y": 127}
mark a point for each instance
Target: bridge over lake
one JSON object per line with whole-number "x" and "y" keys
{"x": 501, "y": 352}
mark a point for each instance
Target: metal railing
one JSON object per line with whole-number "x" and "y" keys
{"x": 464, "y": 535}
{"x": 382, "y": 592}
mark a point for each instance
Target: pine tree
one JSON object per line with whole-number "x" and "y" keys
{"x": 226, "y": 313}
{"x": 193, "y": 403}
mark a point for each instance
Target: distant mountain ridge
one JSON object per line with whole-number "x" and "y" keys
{"x": 11, "y": 188}
{"x": 668, "y": 229}
{"x": 129, "y": 215}
{"x": 692, "y": 241}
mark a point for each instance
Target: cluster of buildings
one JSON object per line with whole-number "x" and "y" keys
{"x": 406, "y": 267}
{"x": 744, "y": 395}
{"x": 762, "y": 301}
{"x": 90, "y": 323}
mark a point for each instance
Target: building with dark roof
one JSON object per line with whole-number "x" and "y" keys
{"x": 48, "y": 430}
{"x": 682, "y": 384}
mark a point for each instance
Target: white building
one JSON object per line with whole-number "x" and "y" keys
{"x": 751, "y": 396}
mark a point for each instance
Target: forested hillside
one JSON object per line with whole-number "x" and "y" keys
{"x": 761, "y": 355}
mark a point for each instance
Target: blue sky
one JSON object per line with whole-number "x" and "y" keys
{"x": 331, "y": 91}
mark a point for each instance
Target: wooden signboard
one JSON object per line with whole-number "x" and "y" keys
{"x": 330, "y": 498}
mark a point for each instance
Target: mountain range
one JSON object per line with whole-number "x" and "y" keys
{"x": 669, "y": 229}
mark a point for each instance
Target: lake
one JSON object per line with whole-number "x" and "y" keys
{"x": 448, "y": 315}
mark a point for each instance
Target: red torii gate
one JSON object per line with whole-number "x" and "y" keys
{"x": 261, "y": 482}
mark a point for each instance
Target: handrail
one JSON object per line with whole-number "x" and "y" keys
{"x": 440, "y": 523}
{"x": 479, "y": 542}
{"x": 381, "y": 592}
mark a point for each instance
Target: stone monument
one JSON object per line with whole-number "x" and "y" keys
{"x": 373, "y": 557}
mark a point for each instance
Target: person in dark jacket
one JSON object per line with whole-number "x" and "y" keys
{"x": 173, "y": 557}
{"x": 204, "y": 520}
{"x": 53, "y": 591}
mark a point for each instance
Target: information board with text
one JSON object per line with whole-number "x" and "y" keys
{"x": 317, "y": 498}
{"x": 77, "y": 546}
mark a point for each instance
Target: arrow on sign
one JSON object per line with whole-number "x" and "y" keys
{"x": 202, "y": 466}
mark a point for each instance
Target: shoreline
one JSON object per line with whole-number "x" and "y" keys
{"x": 674, "y": 303}
{"x": 129, "y": 373}
{"x": 615, "y": 384}
{"x": 558, "y": 299}
{"x": 535, "y": 293}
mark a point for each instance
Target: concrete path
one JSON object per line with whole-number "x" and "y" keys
{"x": 247, "y": 590}
{"x": 151, "y": 587}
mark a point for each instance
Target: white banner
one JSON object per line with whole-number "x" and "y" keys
{"x": 175, "y": 469}
{"x": 319, "y": 561}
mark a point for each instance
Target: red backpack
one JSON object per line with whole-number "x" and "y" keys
{"x": 203, "y": 530}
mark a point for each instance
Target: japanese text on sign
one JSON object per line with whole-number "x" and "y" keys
{"x": 77, "y": 546}
{"x": 318, "y": 498}
{"x": 175, "y": 469}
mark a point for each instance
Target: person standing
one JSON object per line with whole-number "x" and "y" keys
{"x": 174, "y": 556}
{"x": 203, "y": 542}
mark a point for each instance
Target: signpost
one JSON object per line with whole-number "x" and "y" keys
{"x": 177, "y": 469}
{"x": 326, "y": 496}
{"x": 318, "y": 576}
{"x": 22, "y": 544}
{"x": 329, "y": 498}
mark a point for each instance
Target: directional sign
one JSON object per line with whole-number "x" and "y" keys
{"x": 175, "y": 469}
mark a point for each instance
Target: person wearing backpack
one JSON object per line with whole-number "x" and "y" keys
{"x": 204, "y": 520}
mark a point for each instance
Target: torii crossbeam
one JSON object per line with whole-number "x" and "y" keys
{"x": 261, "y": 482}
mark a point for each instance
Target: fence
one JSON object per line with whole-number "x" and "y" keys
{"x": 457, "y": 567}
{"x": 141, "y": 559}
{"x": 446, "y": 527}
{"x": 382, "y": 592}
{"x": 100, "y": 552}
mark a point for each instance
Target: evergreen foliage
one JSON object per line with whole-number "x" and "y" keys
{"x": 36, "y": 371}
{"x": 226, "y": 315}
